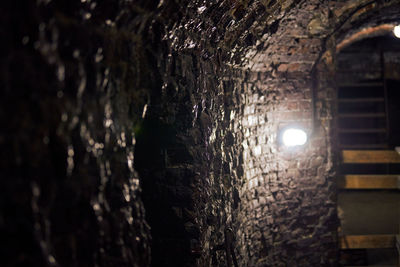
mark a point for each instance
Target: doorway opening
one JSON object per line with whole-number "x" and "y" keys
{"x": 368, "y": 128}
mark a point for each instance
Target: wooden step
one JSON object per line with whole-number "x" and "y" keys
{"x": 371, "y": 84}
{"x": 367, "y": 241}
{"x": 359, "y": 146}
{"x": 362, "y": 131}
{"x": 361, "y": 100}
{"x": 362, "y": 115}
{"x": 370, "y": 181}
{"x": 370, "y": 156}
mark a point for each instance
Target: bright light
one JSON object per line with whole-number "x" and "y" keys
{"x": 294, "y": 137}
{"x": 396, "y": 31}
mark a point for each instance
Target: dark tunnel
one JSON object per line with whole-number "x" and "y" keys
{"x": 200, "y": 133}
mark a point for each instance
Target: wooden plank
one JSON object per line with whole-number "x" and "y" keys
{"x": 367, "y": 241}
{"x": 361, "y": 100}
{"x": 370, "y": 156}
{"x": 369, "y": 182}
{"x": 353, "y": 146}
{"x": 371, "y": 84}
{"x": 361, "y": 131}
{"x": 362, "y": 115}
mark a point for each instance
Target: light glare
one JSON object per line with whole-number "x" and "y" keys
{"x": 396, "y": 31}
{"x": 294, "y": 137}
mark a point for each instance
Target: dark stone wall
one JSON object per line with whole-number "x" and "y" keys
{"x": 74, "y": 80}
{"x": 140, "y": 133}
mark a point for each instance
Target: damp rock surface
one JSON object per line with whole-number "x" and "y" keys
{"x": 144, "y": 133}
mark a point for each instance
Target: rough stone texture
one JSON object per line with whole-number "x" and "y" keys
{"x": 181, "y": 101}
{"x": 71, "y": 95}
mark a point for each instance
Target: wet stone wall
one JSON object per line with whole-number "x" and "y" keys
{"x": 144, "y": 133}
{"x": 120, "y": 145}
{"x": 288, "y": 196}
{"x": 73, "y": 87}
{"x": 128, "y": 131}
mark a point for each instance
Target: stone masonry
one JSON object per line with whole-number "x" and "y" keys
{"x": 146, "y": 133}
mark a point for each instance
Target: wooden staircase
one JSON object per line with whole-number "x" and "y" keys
{"x": 368, "y": 127}
{"x": 370, "y": 182}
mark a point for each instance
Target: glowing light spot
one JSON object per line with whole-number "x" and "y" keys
{"x": 294, "y": 137}
{"x": 144, "y": 111}
{"x": 396, "y": 31}
{"x": 96, "y": 207}
{"x": 52, "y": 260}
{"x": 87, "y": 16}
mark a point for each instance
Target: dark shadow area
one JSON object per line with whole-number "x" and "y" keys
{"x": 369, "y": 94}
{"x": 160, "y": 161}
